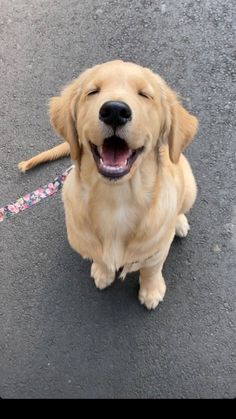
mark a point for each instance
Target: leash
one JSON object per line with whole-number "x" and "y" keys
{"x": 29, "y": 200}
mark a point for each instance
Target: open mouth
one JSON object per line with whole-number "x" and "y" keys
{"x": 114, "y": 158}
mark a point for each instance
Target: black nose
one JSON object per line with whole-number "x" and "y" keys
{"x": 115, "y": 113}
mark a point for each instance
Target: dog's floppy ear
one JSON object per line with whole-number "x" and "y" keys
{"x": 62, "y": 114}
{"x": 180, "y": 126}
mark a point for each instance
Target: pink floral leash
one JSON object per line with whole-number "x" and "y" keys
{"x": 31, "y": 199}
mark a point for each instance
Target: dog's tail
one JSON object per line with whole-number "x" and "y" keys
{"x": 54, "y": 153}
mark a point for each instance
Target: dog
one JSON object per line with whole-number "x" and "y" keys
{"x": 131, "y": 186}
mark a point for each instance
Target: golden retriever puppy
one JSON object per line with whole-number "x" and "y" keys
{"x": 131, "y": 186}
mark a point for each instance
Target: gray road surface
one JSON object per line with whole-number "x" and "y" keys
{"x": 59, "y": 336}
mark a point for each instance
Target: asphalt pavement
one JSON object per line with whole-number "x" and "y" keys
{"x": 59, "y": 336}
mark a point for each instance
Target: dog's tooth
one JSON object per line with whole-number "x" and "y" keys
{"x": 100, "y": 149}
{"x": 112, "y": 169}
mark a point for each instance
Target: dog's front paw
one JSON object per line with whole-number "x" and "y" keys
{"x": 102, "y": 276}
{"x": 152, "y": 293}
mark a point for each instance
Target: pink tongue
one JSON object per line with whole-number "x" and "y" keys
{"x": 114, "y": 156}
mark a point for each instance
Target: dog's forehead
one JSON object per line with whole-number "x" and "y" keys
{"x": 118, "y": 72}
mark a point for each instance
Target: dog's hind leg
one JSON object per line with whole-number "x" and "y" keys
{"x": 190, "y": 193}
{"x": 182, "y": 226}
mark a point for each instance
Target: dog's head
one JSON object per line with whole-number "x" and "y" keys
{"x": 118, "y": 113}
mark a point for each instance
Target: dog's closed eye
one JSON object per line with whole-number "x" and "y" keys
{"x": 145, "y": 94}
{"x": 93, "y": 91}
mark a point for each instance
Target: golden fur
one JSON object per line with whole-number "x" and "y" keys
{"x": 131, "y": 222}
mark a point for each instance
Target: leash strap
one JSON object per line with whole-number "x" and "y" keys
{"x": 29, "y": 200}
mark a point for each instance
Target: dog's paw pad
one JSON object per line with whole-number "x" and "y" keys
{"x": 182, "y": 226}
{"x": 101, "y": 278}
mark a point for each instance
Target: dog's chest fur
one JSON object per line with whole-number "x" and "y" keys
{"x": 115, "y": 219}
{"x": 116, "y": 225}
